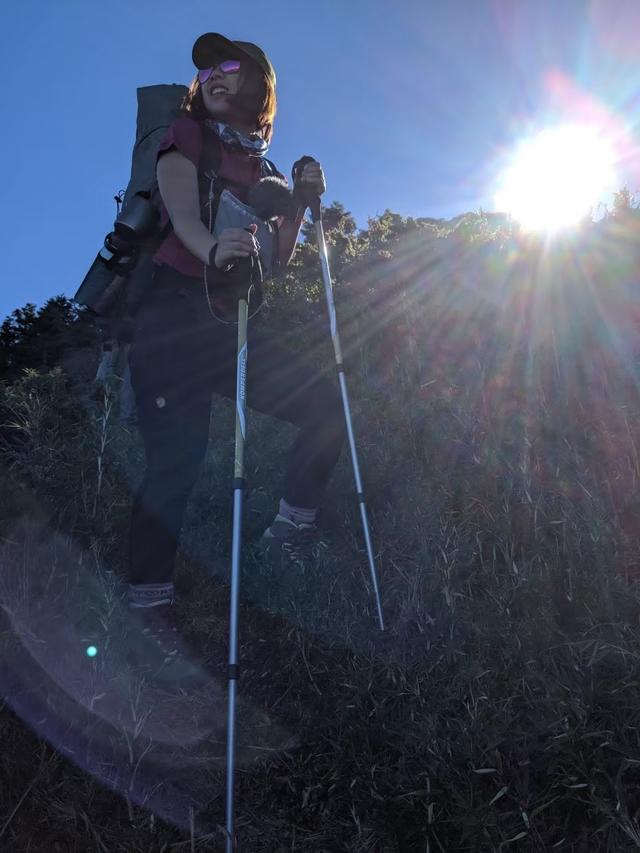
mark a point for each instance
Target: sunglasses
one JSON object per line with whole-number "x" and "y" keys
{"x": 229, "y": 66}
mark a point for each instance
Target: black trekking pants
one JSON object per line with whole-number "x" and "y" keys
{"x": 179, "y": 356}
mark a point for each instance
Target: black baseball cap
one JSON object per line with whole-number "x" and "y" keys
{"x": 209, "y": 46}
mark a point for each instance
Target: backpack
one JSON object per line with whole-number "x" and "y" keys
{"x": 111, "y": 297}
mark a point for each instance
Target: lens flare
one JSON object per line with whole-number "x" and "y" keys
{"x": 557, "y": 177}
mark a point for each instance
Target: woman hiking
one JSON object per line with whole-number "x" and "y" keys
{"x": 185, "y": 343}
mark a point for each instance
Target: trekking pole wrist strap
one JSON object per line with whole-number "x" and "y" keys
{"x": 299, "y": 212}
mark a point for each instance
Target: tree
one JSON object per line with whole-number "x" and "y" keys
{"x": 35, "y": 339}
{"x": 8, "y": 341}
{"x": 623, "y": 205}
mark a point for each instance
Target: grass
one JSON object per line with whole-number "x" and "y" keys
{"x": 501, "y": 709}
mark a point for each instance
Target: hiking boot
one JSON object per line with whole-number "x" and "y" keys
{"x": 287, "y": 542}
{"x": 160, "y": 651}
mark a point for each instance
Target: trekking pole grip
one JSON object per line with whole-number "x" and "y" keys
{"x": 305, "y": 195}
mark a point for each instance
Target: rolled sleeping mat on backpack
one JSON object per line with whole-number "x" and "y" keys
{"x": 157, "y": 108}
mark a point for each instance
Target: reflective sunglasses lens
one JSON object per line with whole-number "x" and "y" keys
{"x": 230, "y": 66}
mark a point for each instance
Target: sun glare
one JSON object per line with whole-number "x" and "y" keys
{"x": 556, "y": 178}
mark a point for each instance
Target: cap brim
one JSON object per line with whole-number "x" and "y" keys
{"x": 209, "y": 46}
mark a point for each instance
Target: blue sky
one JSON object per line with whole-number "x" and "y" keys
{"x": 408, "y": 105}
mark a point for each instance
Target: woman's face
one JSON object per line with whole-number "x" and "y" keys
{"x": 217, "y": 89}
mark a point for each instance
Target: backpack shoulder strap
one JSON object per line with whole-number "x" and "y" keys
{"x": 208, "y": 165}
{"x": 210, "y": 155}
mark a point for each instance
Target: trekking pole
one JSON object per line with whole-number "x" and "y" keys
{"x": 238, "y": 492}
{"x": 312, "y": 201}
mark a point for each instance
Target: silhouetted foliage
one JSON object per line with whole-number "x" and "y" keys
{"x": 38, "y": 339}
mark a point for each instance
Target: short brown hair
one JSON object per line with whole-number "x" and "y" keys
{"x": 260, "y": 96}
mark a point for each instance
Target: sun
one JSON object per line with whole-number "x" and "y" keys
{"x": 556, "y": 177}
